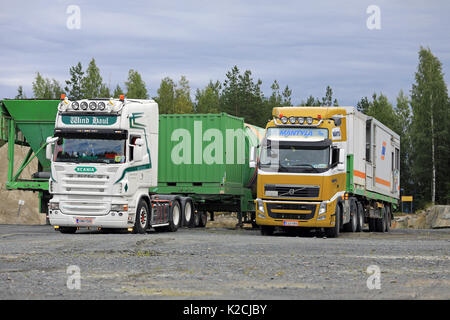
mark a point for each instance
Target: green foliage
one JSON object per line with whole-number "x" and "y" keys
{"x": 208, "y": 99}
{"x": 20, "y": 93}
{"x": 73, "y": 86}
{"x": 91, "y": 83}
{"x": 117, "y": 92}
{"x": 326, "y": 101}
{"x": 135, "y": 86}
{"x": 430, "y": 130}
{"x": 44, "y": 88}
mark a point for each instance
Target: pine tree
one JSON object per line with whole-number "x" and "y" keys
{"x": 91, "y": 83}
{"x": 73, "y": 86}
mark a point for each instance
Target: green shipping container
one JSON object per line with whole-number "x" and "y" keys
{"x": 206, "y": 156}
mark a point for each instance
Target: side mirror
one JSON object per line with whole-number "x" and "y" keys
{"x": 48, "y": 148}
{"x": 139, "y": 142}
{"x": 137, "y": 153}
{"x": 253, "y": 157}
{"x": 341, "y": 163}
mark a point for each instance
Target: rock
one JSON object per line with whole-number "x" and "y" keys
{"x": 440, "y": 217}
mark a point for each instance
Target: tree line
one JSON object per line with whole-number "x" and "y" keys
{"x": 421, "y": 118}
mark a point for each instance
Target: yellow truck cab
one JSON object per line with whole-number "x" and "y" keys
{"x": 326, "y": 167}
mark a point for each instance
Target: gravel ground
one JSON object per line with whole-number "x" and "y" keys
{"x": 221, "y": 263}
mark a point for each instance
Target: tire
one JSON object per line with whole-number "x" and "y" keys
{"x": 196, "y": 220}
{"x": 372, "y": 224}
{"x": 267, "y": 230}
{"x": 333, "y": 232}
{"x": 388, "y": 219}
{"x": 360, "y": 217}
{"x": 68, "y": 230}
{"x": 203, "y": 219}
{"x": 188, "y": 213}
{"x": 352, "y": 224}
{"x": 380, "y": 224}
{"x": 142, "y": 218}
{"x": 174, "y": 217}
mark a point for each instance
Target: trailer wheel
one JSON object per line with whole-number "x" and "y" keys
{"x": 68, "y": 230}
{"x": 174, "y": 217}
{"x": 188, "y": 213}
{"x": 267, "y": 230}
{"x": 142, "y": 217}
{"x": 333, "y": 232}
{"x": 203, "y": 219}
{"x": 360, "y": 210}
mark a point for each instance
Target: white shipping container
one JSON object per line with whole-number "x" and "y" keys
{"x": 376, "y": 154}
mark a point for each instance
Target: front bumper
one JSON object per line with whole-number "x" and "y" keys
{"x": 111, "y": 220}
{"x": 292, "y": 214}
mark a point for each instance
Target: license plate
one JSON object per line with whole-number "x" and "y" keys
{"x": 85, "y": 221}
{"x": 290, "y": 223}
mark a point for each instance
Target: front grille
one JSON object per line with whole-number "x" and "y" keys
{"x": 282, "y": 210}
{"x": 291, "y": 191}
{"x": 85, "y": 183}
{"x": 84, "y": 208}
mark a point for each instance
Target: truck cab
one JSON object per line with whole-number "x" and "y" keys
{"x": 301, "y": 168}
{"x": 104, "y": 159}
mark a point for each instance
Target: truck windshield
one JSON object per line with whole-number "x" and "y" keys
{"x": 295, "y": 159}
{"x": 89, "y": 150}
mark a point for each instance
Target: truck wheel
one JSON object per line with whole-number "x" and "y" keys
{"x": 188, "y": 213}
{"x": 352, "y": 224}
{"x": 70, "y": 230}
{"x": 195, "y": 219}
{"x": 360, "y": 224}
{"x": 267, "y": 230}
{"x": 388, "y": 219}
{"x": 174, "y": 217}
{"x": 141, "y": 220}
{"x": 203, "y": 218}
{"x": 380, "y": 224}
{"x": 333, "y": 232}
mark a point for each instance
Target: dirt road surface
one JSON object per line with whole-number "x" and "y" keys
{"x": 37, "y": 262}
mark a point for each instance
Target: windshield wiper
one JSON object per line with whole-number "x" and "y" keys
{"x": 306, "y": 165}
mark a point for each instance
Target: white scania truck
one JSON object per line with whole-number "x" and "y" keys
{"x": 103, "y": 161}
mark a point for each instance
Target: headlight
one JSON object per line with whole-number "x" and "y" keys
{"x": 53, "y": 205}
{"x": 101, "y": 106}
{"x": 84, "y": 105}
{"x": 119, "y": 207}
{"x": 260, "y": 205}
{"x": 309, "y": 120}
{"x": 292, "y": 120}
{"x": 322, "y": 208}
{"x": 75, "y": 105}
{"x": 284, "y": 120}
{"x": 92, "y": 105}
{"x": 301, "y": 120}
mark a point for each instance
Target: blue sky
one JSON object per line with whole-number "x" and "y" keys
{"x": 304, "y": 44}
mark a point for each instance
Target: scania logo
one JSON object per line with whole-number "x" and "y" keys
{"x": 85, "y": 169}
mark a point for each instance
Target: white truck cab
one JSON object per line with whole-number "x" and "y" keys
{"x": 104, "y": 159}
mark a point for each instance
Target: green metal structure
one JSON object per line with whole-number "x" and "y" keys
{"x": 28, "y": 123}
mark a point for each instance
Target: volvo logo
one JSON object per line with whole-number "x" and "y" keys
{"x": 291, "y": 191}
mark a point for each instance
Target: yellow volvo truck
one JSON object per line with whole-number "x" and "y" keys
{"x": 326, "y": 167}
